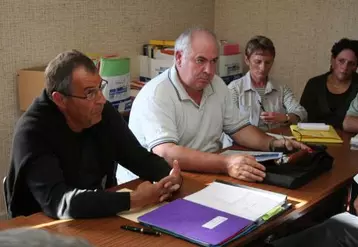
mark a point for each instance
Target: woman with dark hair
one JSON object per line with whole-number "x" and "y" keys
{"x": 269, "y": 104}
{"x": 327, "y": 97}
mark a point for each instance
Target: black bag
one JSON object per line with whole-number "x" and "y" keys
{"x": 298, "y": 171}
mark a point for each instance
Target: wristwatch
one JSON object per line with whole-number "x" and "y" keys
{"x": 287, "y": 119}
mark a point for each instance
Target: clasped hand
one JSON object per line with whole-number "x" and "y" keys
{"x": 150, "y": 193}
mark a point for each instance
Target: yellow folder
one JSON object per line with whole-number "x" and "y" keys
{"x": 316, "y": 136}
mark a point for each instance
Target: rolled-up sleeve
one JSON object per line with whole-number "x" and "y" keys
{"x": 292, "y": 105}
{"x": 353, "y": 108}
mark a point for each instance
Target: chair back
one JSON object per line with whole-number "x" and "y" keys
{"x": 5, "y": 195}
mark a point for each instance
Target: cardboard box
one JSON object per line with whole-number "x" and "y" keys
{"x": 230, "y": 67}
{"x": 150, "y": 68}
{"x": 30, "y": 83}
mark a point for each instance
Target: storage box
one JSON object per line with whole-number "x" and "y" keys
{"x": 230, "y": 67}
{"x": 30, "y": 83}
{"x": 150, "y": 68}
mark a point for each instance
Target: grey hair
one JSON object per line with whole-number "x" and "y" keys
{"x": 183, "y": 42}
{"x": 58, "y": 73}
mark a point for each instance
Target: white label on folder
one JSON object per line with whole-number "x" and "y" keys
{"x": 214, "y": 222}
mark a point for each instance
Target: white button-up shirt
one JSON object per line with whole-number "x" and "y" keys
{"x": 277, "y": 98}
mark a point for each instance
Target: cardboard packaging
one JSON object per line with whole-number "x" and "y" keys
{"x": 230, "y": 67}
{"x": 30, "y": 82}
{"x": 150, "y": 68}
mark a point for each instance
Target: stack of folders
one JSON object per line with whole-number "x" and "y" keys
{"x": 315, "y": 133}
{"x": 259, "y": 156}
{"x": 217, "y": 214}
{"x": 354, "y": 142}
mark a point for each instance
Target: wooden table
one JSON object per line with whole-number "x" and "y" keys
{"x": 107, "y": 232}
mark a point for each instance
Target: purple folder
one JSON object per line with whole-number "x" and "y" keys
{"x": 185, "y": 219}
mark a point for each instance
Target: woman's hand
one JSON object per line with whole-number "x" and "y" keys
{"x": 273, "y": 117}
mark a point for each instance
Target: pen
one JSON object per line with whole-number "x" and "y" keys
{"x": 141, "y": 230}
{"x": 262, "y": 107}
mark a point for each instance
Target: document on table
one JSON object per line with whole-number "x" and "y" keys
{"x": 243, "y": 201}
{"x": 133, "y": 214}
{"x": 260, "y": 156}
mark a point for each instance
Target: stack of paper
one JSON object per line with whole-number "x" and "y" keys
{"x": 316, "y": 136}
{"x": 354, "y": 142}
{"x": 217, "y": 214}
{"x": 313, "y": 126}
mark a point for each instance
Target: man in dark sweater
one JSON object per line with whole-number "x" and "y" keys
{"x": 67, "y": 145}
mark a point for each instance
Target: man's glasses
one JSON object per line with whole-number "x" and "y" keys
{"x": 91, "y": 93}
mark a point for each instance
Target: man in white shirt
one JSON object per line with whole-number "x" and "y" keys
{"x": 182, "y": 113}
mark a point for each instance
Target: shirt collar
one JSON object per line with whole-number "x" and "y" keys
{"x": 179, "y": 88}
{"x": 248, "y": 85}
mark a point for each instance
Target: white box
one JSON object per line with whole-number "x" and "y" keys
{"x": 143, "y": 66}
{"x": 230, "y": 67}
{"x": 150, "y": 68}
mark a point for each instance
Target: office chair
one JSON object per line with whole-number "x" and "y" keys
{"x": 5, "y": 195}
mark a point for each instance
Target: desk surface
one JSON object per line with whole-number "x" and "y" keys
{"x": 107, "y": 232}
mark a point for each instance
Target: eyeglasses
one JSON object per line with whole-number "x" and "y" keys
{"x": 91, "y": 93}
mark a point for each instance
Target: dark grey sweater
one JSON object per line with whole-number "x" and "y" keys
{"x": 63, "y": 173}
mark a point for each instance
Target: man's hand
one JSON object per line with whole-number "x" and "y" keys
{"x": 172, "y": 182}
{"x": 245, "y": 167}
{"x": 148, "y": 193}
{"x": 289, "y": 144}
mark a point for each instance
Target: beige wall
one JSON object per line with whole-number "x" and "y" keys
{"x": 303, "y": 32}
{"x": 34, "y": 31}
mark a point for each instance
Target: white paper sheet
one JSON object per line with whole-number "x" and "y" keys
{"x": 133, "y": 214}
{"x": 244, "y": 202}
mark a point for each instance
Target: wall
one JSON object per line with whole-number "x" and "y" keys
{"x": 32, "y": 32}
{"x": 303, "y": 32}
